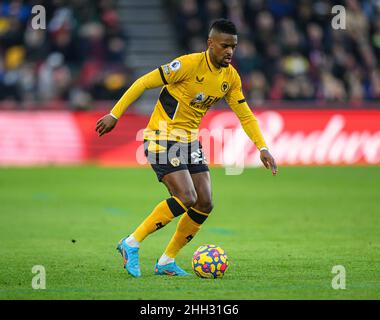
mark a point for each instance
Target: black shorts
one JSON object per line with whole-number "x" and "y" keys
{"x": 169, "y": 156}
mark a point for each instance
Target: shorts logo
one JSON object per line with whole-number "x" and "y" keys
{"x": 175, "y": 162}
{"x": 225, "y": 86}
{"x": 175, "y": 65}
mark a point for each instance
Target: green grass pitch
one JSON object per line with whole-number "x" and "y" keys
{"x": 283, "y": 234}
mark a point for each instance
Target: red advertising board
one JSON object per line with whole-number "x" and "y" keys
{"x": 303, "y": 137}
{"x": 295, "y": 137}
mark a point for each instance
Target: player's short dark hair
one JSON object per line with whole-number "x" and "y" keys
{"x": 224, "y": 26}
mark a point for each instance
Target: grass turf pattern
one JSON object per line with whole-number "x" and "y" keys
{"x": 283, "y": 234}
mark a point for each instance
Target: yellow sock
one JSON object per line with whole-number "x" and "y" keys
{"x": 161, "y": 215}
{"x": 187, "y": 227}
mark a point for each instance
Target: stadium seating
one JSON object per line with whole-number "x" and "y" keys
{"x": 91, "y": 51}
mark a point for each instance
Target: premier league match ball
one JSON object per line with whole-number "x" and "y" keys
{"x": 210, "y": 261}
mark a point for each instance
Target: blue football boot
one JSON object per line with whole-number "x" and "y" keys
{"x": 130, "y": 258}
{"x": 170, "y": 269}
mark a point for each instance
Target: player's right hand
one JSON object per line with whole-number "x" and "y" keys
{"x": 105, "y": 124}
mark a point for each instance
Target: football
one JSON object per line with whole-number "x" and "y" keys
{"x": 210, "y": 261}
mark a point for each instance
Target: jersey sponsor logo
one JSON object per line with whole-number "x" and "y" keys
{"x": 202, "y": 102}
{"x": 225, "y": 86}
{"x": 175, "y": 65}
{"x": 199, "y": 97}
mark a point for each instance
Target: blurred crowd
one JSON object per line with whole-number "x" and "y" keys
{"x": 288, "y": 49}
{"x": 80, "y": 56}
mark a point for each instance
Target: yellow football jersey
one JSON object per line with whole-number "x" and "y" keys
{"x": 191, "y": 85}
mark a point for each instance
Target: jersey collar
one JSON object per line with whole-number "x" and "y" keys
{"x": 211, "y": 67}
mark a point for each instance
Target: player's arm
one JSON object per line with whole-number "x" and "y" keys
{"x": 150, "y": 80}
{"x": 173, "y": 72}
{"x": 236, "y": 101}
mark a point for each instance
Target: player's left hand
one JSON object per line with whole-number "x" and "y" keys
{"x": 268, "y": 161}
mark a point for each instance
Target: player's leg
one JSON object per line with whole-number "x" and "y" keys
{"x": 179, "y": 185}
{"x": 175, "y": 176}
{"x": 173, "y": 172}
{"x": 202, "y": 185}
{"x": 183, "y": 196}
{"x": 191, "y": 221}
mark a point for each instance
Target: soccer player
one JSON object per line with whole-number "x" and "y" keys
{"x": 191, "y": 85}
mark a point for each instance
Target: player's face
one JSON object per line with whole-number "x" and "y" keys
{"x": 221, "y": 47}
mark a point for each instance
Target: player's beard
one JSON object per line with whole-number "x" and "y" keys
{"x": 223, "y": 63}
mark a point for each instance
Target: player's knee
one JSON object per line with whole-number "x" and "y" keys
{"x": 188, "y": 197}
{"x": 205, "y": 206}
{"x": 209, "y": 206}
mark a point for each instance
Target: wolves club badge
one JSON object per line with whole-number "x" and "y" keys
{"x": 225, "y": 86}
{"x": 175, "y": 162}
